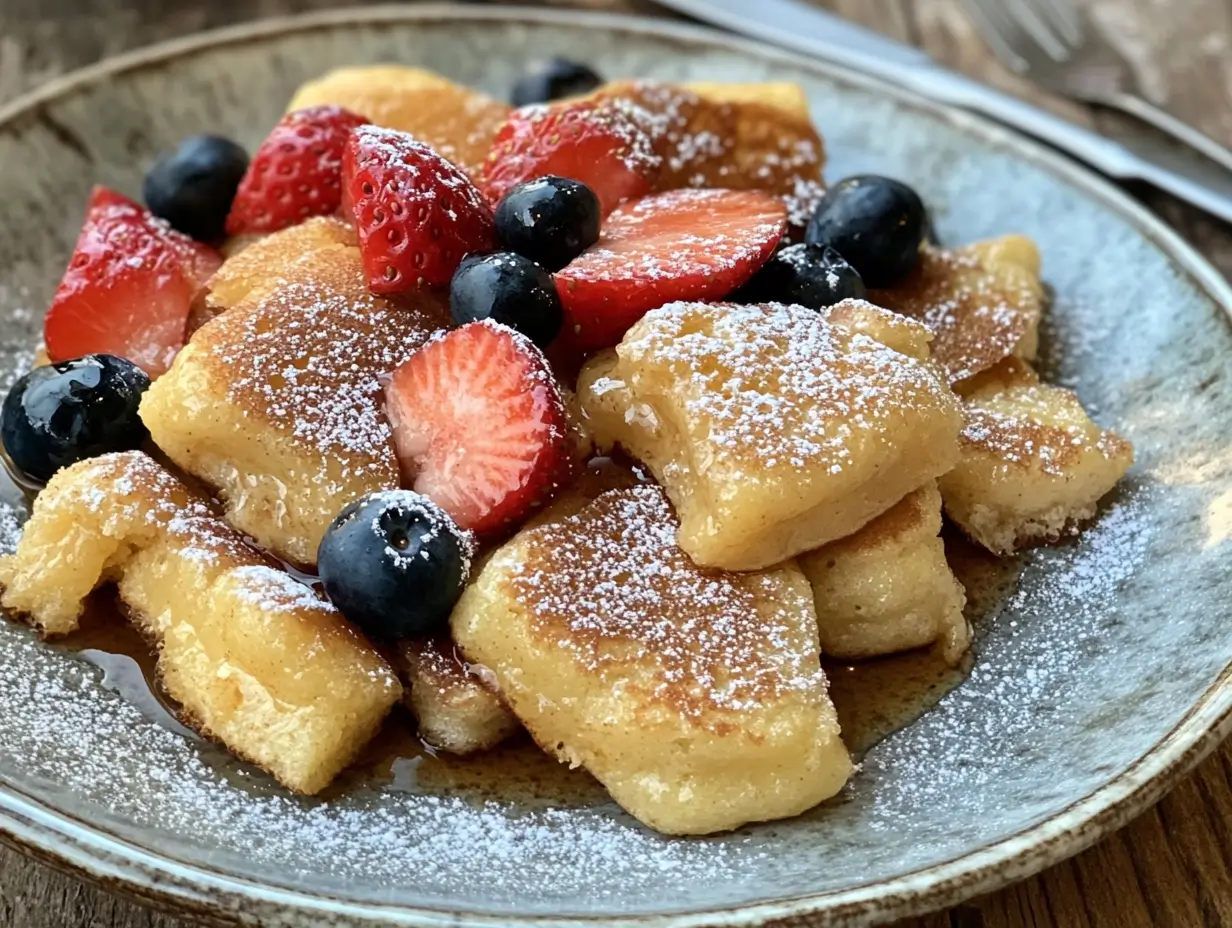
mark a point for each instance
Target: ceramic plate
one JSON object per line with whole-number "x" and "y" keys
{"x": 1096, "y": 683}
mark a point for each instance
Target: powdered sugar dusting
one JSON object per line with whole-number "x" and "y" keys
{"x": 1063, "y": 600}
{"x": 436, "y": 523}
{"x": 309, "y": 359}
{"x": 628, "y": 250}
{"x": 273, "y": 590}
{"x": 778, "y": 386}
{"x": 610, "y": 586}
{"x": 739, "y": 145}
{"x": 977, "y": 316}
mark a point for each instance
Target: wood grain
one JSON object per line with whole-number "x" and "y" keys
{"x": 1172, "y": 867}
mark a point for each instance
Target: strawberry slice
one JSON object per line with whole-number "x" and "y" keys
{"x": 681, "y": 245}
{"x": 605, "y": 144}
{"x": 128, "y": 287}
{"x": 417, "y": 214}
{"x": 480, "y": 425}
{"x": 296, "y": 173}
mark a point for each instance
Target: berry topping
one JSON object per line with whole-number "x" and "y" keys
{"x": 694, "y": 245}
{"x": 394, "y": 564}
{"x": 128, "y": 287}
{"x": 601, "y": 143}
{"x": 59, "y": 414}
{"x": 508, "y": 289}
{"x": 480, "y": 425}
{"x": 553, "y": 80}
{"x": 192, "y": 185}
{"x": 550, "y": 220}
{"x": 417, "y": 214}
{"x": 876, "y": 223}
{"x": 815, "y": 276}
{"x": 296, "y": 173}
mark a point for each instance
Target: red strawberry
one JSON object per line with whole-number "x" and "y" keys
{"x": 128, "y": 287}
{"x": 480, "y": 425}
{"x": 296, "y": 173}
{"x": 417, "y": 214}
{"x": 604, "y": 144}
{"x": 680, "y": 245}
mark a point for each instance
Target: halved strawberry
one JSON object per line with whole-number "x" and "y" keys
{"x": 680, "y": 245}
{"x": 296, "y": 173}
{"x": 605, "y": 144}
{"x": 128, "y": 287}
{"x": 480, "y": 426}
{"x": 417, "y": 214}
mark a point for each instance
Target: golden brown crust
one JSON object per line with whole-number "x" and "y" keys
{"x": 707, "y": 137}
{"x": 457, "y": 121}
{"x": 276, "y": 403}
{"x": 982, "y": 303}
{"x": 256, "y": 658}
{"x": 612, "y": 574}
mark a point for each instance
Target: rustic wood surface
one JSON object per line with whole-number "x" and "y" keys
{"x": 1173, "y": 866}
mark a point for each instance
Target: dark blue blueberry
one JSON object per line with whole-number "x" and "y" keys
{"x": 815, "y": 276}
{"x": 192, "y": 186}
{"x": 550, "y": 220}
{"x": 876, "y": 223}
{"x": 553, "y": 80}
{"x": 508, "y": 289}
{"x": 394, "y": 564}
{"x": 63, "y": 413}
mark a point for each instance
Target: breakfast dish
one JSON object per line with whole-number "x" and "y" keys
{"x": 342, "y": 424}
{"x": 453, "y": 708}
{"x": 254, "y": 658}
{"x": 888, "y": 588}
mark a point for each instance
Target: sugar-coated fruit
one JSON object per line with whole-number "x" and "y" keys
{"x": 394, "y": 564}
{"x": 606, "y": 144}
{"x": 416, "y": 214}
{"x": 815, "y": 276}
{"x": 59, "y": 414}
{"x": 876, "y": 223}
{"x": 550, "y": 220}
{"x": 480, "y": 426}
{"x": 554, "y": 79}
{"x": 192, "y": 185}
{"x": 508, "y": 289}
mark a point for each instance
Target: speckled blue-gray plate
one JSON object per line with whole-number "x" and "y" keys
{"x": 1095, "y": 685}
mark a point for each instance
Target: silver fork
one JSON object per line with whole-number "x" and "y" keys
{"x": 1052, "y": 43}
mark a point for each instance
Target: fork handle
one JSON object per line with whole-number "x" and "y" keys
{"x": 1196, "y": 180}
{"x": 1164, "y": 121}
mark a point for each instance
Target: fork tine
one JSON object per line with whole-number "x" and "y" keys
{"x": 1064, "y": 18}
{"x": 1028, "y": 16}
{"x": 998, "y": 30}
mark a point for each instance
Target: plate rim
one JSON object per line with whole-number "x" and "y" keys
{"x": 116, "y": 864}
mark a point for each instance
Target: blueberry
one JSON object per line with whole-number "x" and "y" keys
{"x": 876, "y": 223}
{"x": 550, "y": 220}
{"x": 193, "y": 185}
{"x": 394, "y": 564}
{"x": 815, "y": 276}
{"x": 63, "y": 413}
{"x": 509, "y": 289}
{"x": 552, "y": 80}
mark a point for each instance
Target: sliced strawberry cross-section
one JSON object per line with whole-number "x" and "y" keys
{"x": 480, "y": 426}
{"x": 605, "y": 144}
{"x": 296, "y": 172}
{"x": 417, "y": 214}
{"x": 128, "y": 287}
{"x": 681, "y": 245}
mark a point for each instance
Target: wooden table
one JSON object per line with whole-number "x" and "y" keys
{"x": 1172, "y": 867}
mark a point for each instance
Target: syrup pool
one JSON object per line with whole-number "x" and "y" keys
{"x": 873, "y": 699}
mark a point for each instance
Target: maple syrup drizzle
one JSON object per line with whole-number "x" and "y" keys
{"x": 873, "y": 699}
